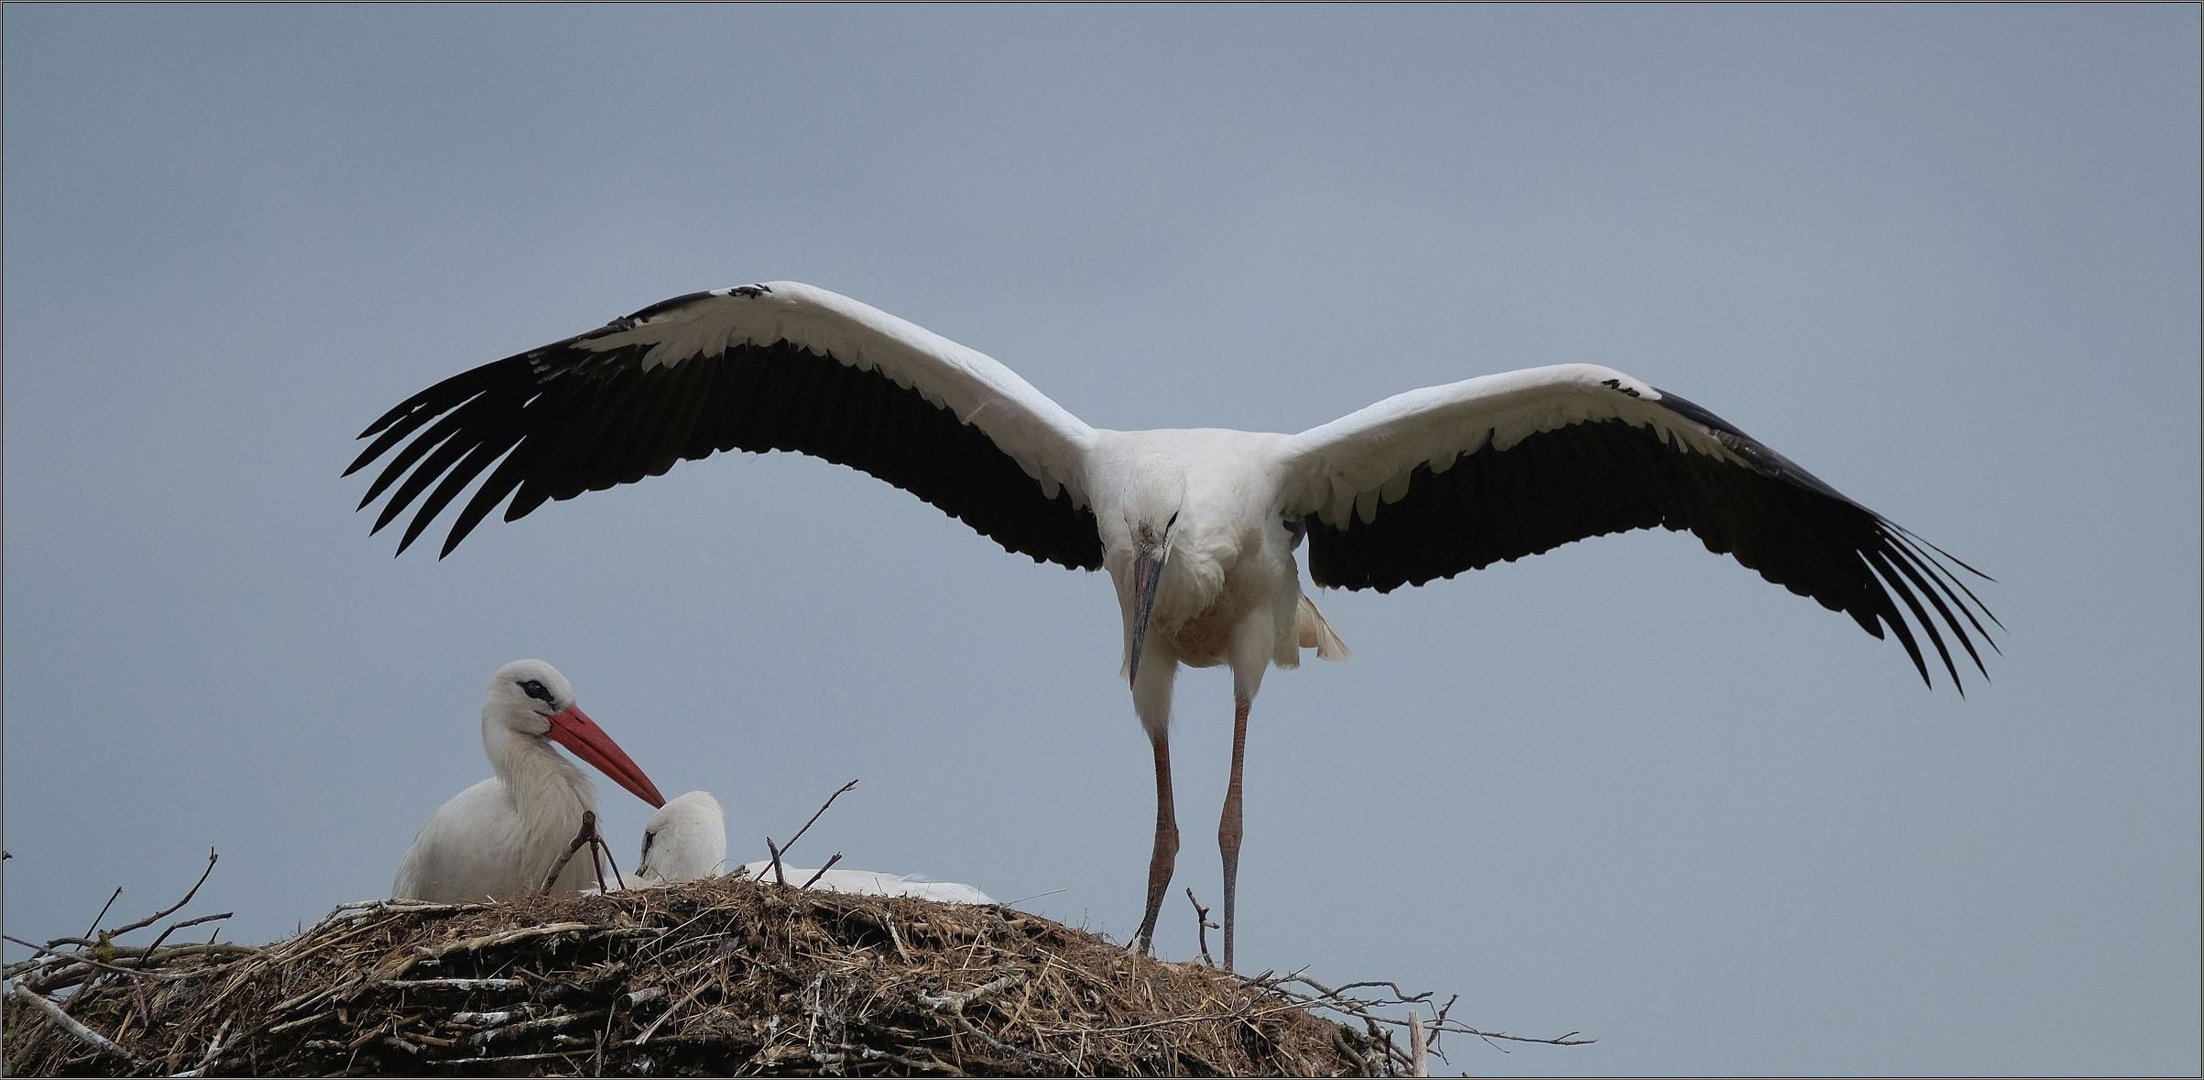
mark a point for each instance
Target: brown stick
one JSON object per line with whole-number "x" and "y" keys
{"x": 1202, "y": 926}
{"x": 68, "y": 1023}
{"x": 171, "y": 909}
{"x": 173, "y": 927}
{"x": 68, "y": 961}
{"x": 609, "y": 861}
{"x": 821, "y": 872}
{"x": 778, "y": 874}
{"x": 815, "y": 814}
{"x": 117, "y": 895}
{"x": 587, "y": 834}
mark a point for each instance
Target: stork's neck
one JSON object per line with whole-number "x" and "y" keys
{"x": 549, "y": 791}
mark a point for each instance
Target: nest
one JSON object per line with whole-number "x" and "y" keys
{"x": 722, "y": 977}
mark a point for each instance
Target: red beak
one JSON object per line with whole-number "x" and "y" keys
{"x": 572, "y": 728}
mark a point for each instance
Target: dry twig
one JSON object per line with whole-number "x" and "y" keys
{"x": 586, "y": 836}
{"x": 1202, "y": 926}
{"x": 18, "y": 992}
{"x": 822, "y": 871}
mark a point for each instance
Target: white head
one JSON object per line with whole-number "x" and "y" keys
{"x": 685, "y": 841}
{"x": 530, "y": 700}
{"x": 1137, "y": 525}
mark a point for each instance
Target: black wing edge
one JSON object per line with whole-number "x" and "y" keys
{"x": 561, "y": 420}
{"x": 1599, "y": 477}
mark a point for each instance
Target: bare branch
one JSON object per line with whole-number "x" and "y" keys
{"x": 955, "y": 1003}
{"x": 65, "y": 961}
{"x": 173, "y": 927}
{"x": 454, "y": 983}
{"x": 778, "y": 874}
{"x": 815, "y": 814}
{"x": 1202, "y": 925}
{"x": 821, "y": 872}
{"x": 214, "y": 1052}
{"x": 609, "y": 861}
{"x": 171, "y": 909}
{"x": 1338, "y": 1000}
{"x": 588, "y": 832}
{"x": 887, "y": 919}
{"x": 69, "y": 1023}
{"x": 116, "y": 895}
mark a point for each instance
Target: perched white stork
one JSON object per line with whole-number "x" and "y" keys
{"x": 497, "y": 839}
{"x": 687, "y": 841}
{"x": 1197, "y": 528}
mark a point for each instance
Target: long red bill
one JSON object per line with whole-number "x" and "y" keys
{"x": 572, "y": 728}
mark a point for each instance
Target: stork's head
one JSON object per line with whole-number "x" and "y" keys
{"x": 530, "y": 699}
{"x": 1137, "y": 532}
{"x": 685, "y": 841}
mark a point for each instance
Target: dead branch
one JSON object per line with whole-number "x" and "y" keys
{"x": 821, "y": 872}
{"x": 1202, "y": 926}
{"x": 609, "y": 861}
{"x": 887, "y": 922}
{"x": 1338, "y": 1000}
{"x": 587, "y": 834}
{"x": 955, "y": 1003}
{"x": 171, "y": 909}
{"x": 454, "y": 984}
{"x": 173, "y": 927}
{"x": 815, "y": 814}
{"x": 64, "y": 962}
{"x": 111, "y": 898}
{"x": 779, "y": 876}
{"x": 68, "y": 1023}
{"x": 213, "y": 1054}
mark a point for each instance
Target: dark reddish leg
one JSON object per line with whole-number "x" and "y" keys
{"x": 1166, "y": 852}
{"x": 1228, "y": 829}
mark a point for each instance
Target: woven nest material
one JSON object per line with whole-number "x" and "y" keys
{"x": 722, "y": 977}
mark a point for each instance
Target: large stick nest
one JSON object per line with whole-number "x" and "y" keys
{"x": 723, "y": 977}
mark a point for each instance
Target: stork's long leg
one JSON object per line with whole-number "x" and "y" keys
{"x": 1166, "y": 852}
{"x": 1228, "y": 828}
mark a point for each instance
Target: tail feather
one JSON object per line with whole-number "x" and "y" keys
{"x": 1316, "y": 633}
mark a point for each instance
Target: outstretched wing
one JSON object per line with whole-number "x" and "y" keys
{"x": 1445, "y": 479}
{"x": 776, "y": 366}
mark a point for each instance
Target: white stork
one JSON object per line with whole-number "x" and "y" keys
{"x": 1197, "y": 528}
{"x": 497, "y": 839}
{"x": 687, "y": 841}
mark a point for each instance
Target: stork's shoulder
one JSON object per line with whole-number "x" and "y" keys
{"x": 1197, "y": 457}
{"x": 1184, "y": 442}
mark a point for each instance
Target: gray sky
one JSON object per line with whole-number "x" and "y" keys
{"x": 1945, "y": 258}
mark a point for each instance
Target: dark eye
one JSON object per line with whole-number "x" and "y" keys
{"x": 535, "y": 689}
{"x": 1174, "y": 520}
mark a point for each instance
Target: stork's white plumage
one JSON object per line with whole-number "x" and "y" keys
{"x": 687, "y": 841}
{"x": 1197, "y": 528}
{"x": 498, "y": 839}
{"x": 868, "y": 883}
